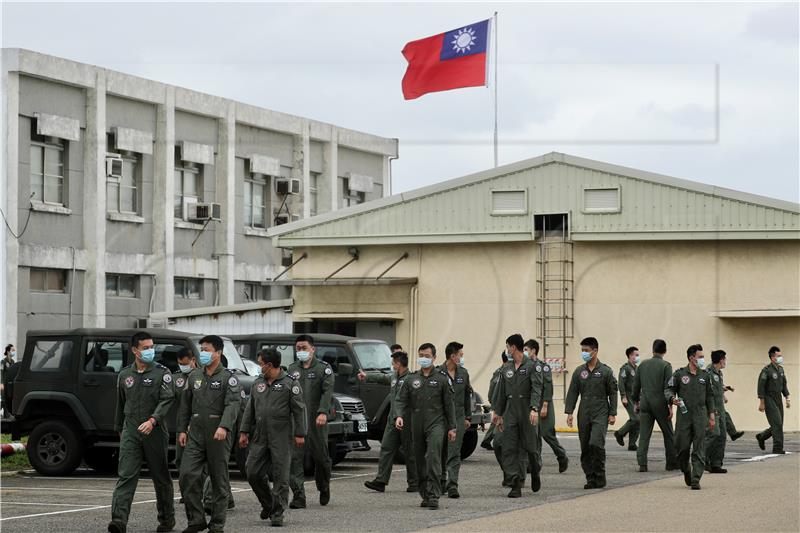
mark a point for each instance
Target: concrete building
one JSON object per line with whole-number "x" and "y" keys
{"x": 126, "y": 197}
{"x": 560, "y": 248}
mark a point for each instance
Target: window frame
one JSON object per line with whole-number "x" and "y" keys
{"x": 515, "y": 212}
{"x": 49, "y": 143}
{"x": 252, "y": 180}
{"x": 600, "y": 211}
{"x": 118, "y": 279}
{"x": 187, "y": 167}
{"x": 313, "y": 190}
{"x": 136, "y": 160}
{"x": 47, "y": 271}
{"x": 185, "y": 294}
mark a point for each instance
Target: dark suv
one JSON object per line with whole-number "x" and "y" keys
{"x": 66, "y": 390}
{"x": 348, "y": 356}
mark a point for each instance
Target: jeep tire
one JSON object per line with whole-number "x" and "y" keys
{"x": 55, "y": 448}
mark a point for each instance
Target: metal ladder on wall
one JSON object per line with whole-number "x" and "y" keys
{"x": 555, "y": 299}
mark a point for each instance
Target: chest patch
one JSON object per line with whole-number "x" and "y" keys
{"x": 277, "y": 386}
{"x": 597, "y": 375}
{"x": 394, "y": 382}
{"x": 233, "y": 381}
{"x": 216, "y": 385}
{"x": 167, "y": 378}
{"x": 633, "y": 373}
{"x": 295, "y": 390}
{"x": 180, "y": 382}
{"x": 509, "y": 373}
{"x": 416, "y": 384}
{"x": 459, "y": 380}
{"x": 433, "y": 383}
{"x": 685, "y": 380}
{"x": 702, "y": 381}
{"x": 129, "y": 381}
{"x": 774, "y": 375}
{"x": 261, "y": 387}
{"x": 716, "y": 377}
{"x": 198, "y": 383}
{"x": 584, "y": 374}
{"x": 311, "y": 375}
{"x": 523, "y": 371}
{"x": 147, "y": 382}
{"x": 622, "y": 374}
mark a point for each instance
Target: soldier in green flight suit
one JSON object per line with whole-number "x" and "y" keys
{"x": 275, "y": 413}
{"x": 428, "y": 394}
{"x": 315, "y": 377}
{"x": 494, "y": 438}
{"x": 462, "y": 400}
{"x": 648, "y": 398}
{"x": 771, "y": 384}
{"x": 393, "y": 439}
{"x": 516, "y": 407}
{"x": 689, "y": 389}
{"x": 627, "y": 374}
{"x": 594, "y": 382}
{"x": 716, "y": 437}
{"x": 547, "y": 418}
{"x": 144, "y": 396}
{"x": 186, "y": 363}
{"x": 210, "y": 405}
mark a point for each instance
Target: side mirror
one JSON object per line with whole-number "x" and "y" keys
{"x": 344, "y": 369}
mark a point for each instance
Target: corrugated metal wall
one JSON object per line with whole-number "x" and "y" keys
{"x": 258, "y": 321}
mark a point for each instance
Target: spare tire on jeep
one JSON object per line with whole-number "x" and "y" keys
{"x": 55, "y": 448}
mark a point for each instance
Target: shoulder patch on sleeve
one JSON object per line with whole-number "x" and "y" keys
{"x": 296, "y": 389}
{"x": 243, "y": 394}
{"x": 233, "y": 381}
{"x": 167, "y": 377}
{"x": 622, "y": 373}
{"x": 328, "y": 371}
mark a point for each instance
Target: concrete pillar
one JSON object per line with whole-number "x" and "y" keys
{"x": 163, "y": 214}
{"x": 328, "y": 193}
{"x": 386, "y": 180}
{"x": 301, "y": 154}
{"x": 226, "y": 195}
{"x": 94, "y": 205}
{"x": 9, "y": 200}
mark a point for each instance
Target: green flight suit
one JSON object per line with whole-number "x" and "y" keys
{"x": 208, "y": 403}
{"x": 547, "y": 425}
{"x": 394, "y": 439}
{"x": 493, "y": 434}
{"x": 274, "y": 415}
{"x": 771, "y": 384}
{"x": 180, "y": 381}
{"x": 462, "y": 403}
{"x": 730, "y": 427}
{"x": 430, "y": 400}
{"x": 316, "y": 381}
{"x": 519, "y": 391}
{"x": 597, "y": 389}
{"x": 715, "y": 438}
{"x": 690, "y": 428}
{"x": 627, "y": 375}
{"x": 648, "y": 389}
{"x": 140, "y": 396}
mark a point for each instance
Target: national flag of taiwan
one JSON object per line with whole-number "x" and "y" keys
{"x": 450, "y": 60}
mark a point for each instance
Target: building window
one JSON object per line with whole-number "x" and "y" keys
{"x": 188, "y": 187}
{"x": 121, "y": 286}
{"x": 254, "y": 292}
{"x": 48, "y": 280}
{"x": 189, "y": 288}
{"x": 47, "y": 169}
{"x": 348, "y": 197}
{"x": 601, "y": 200}
{"x": 312, "y": 192}
{"x": 255, "y": 201}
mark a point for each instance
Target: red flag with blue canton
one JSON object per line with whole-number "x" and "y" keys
{"x": 450, "y": 60}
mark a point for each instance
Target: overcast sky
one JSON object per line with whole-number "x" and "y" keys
{"x": 704, "y": 91}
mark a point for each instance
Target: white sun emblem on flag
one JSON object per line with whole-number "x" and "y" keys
{"x": 464, "y": 40}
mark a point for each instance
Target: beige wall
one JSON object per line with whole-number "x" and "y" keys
{"x": 626, "y": 293}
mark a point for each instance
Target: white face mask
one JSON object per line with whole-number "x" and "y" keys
{"x": 185, "y": 368}
{"x": 701, "y": 362}
{"x": 779, "y": 359}
{"x": 303, "y": 356}
{"x": 461, "y": 362}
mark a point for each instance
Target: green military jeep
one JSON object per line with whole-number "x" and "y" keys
{"x": 348, "y": 356}
{"x": 66, "y": 390}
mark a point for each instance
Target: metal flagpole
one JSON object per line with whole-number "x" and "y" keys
{"x": 494, "y": 31}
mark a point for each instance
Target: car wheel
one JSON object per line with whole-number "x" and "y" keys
{"x": 54, "y": 448}
{"x": 469, "y": 443}
{"x": 102, "y": 460}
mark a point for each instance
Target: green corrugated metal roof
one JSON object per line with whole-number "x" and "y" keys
{"x": 652, "y": 206}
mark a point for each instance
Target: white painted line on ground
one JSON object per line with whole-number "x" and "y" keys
{"x": 109, "y": 491}
{"x": 53, "y": 504}
{"x": 764, "y": 457}
{"x": 54, "y": 513}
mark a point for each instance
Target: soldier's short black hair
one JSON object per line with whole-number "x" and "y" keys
{"x": 774, "y": 350}
{"x": 692, "y": 350}
{"x": 717, "y": 356}
{"x": 660, "y": 346}
{"x": 184, "y": 353}
{"x": 270, "y": 355}
{"x": 305, "y": 338}
{"x": 452, "y": 348}
{"x": 138, "y": 337}
{"x": 516, "y": 341}
{"x": 396, "y": 348}
{"x": 591, "y": 342}
{"x": 504, "y": 356}
{"x": 401, "y": 358}
{"x": 630, "y": 350}
{"x": 533, "y": 344}
{"x": 215, "y": 341}
{"x": 427, "y": 346}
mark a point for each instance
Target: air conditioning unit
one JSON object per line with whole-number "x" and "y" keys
{"x": 285, "y": 218}
{"x": 114, "y": 167}
{"x": 144, "y": 323}
{"x": 287, "y": 186}
{"x": 204, "y": 212}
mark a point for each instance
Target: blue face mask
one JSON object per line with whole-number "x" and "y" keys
{"x": 461, "y": 363}
{"x": 303, "y": 356}
{"x": 425, "y": 362}
{"x": 205, "y": 358}
{"x": 185, "y": 368}
{"x": 636, "y": 359}
{"x": 779, "y": 359}
{"x": 586, "y": 356}
{"x": 147, "y": 356}
{"x": 701, "y": 363}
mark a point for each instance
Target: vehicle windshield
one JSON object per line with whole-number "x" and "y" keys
{"x": 373, "y": 355}
{"x": 229, "y": 352}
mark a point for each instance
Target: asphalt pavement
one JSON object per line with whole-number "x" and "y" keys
{"x": 31, "y": 503}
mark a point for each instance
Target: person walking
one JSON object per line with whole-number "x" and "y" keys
{"x": 627, "y": 374}
{"x": 771, "y": 384}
